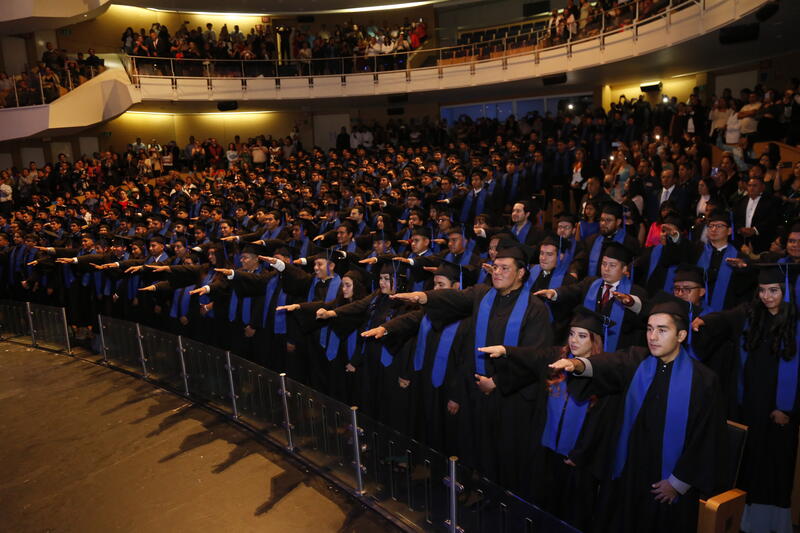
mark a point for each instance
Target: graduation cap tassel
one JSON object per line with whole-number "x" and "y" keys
{"x": 460, "y": 277}
{"x": 733, "y": 230}
{"x": 787, "y": 289}
{"x": 606, "y": 321}
{"x": 691, "y": 319}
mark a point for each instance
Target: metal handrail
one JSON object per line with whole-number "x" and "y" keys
{"x": 205, "y": 68}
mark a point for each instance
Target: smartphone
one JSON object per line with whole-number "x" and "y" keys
{"x": 615, "y": 144}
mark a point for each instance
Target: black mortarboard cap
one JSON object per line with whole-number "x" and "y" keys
{"x": 618, "y": 251}
{"x": 591, "y": 320}
{"x": 664, "y": 302}
{"x": 612, "y": 208}
{"x": 257, "y": 249}
{"x": 518, "y": 251}
{"x": 690, "y": 273}
{"x": 422, "y": 231}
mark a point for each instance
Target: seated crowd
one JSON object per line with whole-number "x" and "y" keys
{"x": 573, "y": 305}
{"x": 53, "y": 76}
{"x": 292, "y": 49}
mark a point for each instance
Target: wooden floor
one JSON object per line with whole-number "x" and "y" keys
{"x": 86, "y": 449}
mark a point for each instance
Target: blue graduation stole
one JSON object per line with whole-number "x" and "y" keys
{"x": 512, "y": 190}
{"x": 180, "y": 302}
{"x": 522, "y": 233}
{"x": 69, "y": 274}
{"x": 272, "y": 234}
{"x": 330, "y": 294}
{"x": 717, "y": 300}
{"x": 564, "y": 412}
{"x": 465, "y": 256}
{"x": 483, "y": 274}
{"x": 350, "y": 247}
{"x": 513, "y": 326}
{"x": 386, "y": 355}
{"x": 467, "y": 207}
{"x": 617, "y": 310}
{"x": 597, "y": 249}
{"x": 680, "y": 388}
{"x": 589, "y": 228}
{"x": 655, "y": 257}
{"x": 442, "y": 353}
{"x": 247, "y": 306}
{"x": 786, "y": 391}
{"x": 205, "y": 298}
{"x": 280, "y": 316}
{"x": 332, "y": 348}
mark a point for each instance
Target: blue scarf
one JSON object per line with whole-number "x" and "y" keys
{"x": 442, "y": 350}
{"x": 330, "y": 295}
{"x": 386, "y": 355}
{"x": 180, "y": 302}
{"x": 522, "y": 234}
{"x": 513, "y": 326}
{"x": 717, "y": 301}
{"x": 655, "y": 257}
{"x": 617, "y": 310}
{"x": 280, "y": 316}
{"x": 785, "y": 260}
{"x": 467, "y": 207}
{"x": 556, "y": 277}
{"x": 272, "y": 234}
{"x": 786, "y": 391}
{"x": 680, "y": 388}
{"x": 334, "y": 341}
{"x": 597, "y": 249}
{"x": 247, "y": 306}
{"x": 563, "y": 412}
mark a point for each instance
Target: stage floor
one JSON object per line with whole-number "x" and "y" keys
{"x": 87, "y": 449}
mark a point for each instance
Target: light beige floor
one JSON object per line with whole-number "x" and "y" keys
{"x": 87, "y": 449}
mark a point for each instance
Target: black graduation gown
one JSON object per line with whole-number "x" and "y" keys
{"x": 557, "y": 485}
{"x": 631, "y": 333}
{"x": 767, "y": 470}
{"x": 431, "y": 423}
{"x": 672, "y": 254}
{"x": 580, "y": 263}
{"x": 632, "y": 507}
{"x": 378, "y": 390}
{"x": 493, "y": 443}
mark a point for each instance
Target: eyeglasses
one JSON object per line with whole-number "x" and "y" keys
{"x": 505, "y": 269}
{"x": 717, "y": 226}
{"x": 678, "y": 289}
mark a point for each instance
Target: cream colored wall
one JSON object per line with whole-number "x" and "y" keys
{"x": 680, "y": 87}
{"x": 104, "y": 32}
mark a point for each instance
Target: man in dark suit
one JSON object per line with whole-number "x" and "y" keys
{"x": 756, "y": 217}
{"x": 669, "y": 191}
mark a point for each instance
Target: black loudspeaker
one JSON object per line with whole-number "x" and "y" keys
{"x": 739, "y": 34}
{"x": 397, "y": 99}
{"x": 228, "y": 105}
{"x": 395, "y": 111}
{"x": 558, "y": 79}
{"x": 305, "y": 19}
{"x": 766, "y": 12}
{"x": 534, "y": 8}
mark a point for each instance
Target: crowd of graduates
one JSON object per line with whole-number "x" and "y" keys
{"x": 580, "y": 348}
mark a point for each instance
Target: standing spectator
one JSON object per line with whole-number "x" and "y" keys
{"x": 748, "y": 115}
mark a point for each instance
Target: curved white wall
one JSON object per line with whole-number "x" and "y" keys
{"x": 688, "y": 23}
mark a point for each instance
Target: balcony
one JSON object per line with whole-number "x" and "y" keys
{"x": 484, "y": 64}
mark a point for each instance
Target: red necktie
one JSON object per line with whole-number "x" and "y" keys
{"x": 606, "y": 295}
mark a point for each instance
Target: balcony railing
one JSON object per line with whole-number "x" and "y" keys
{"x": 40, "y": 88}
{"x": 602, "y": 25}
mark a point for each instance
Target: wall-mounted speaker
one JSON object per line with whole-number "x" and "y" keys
{"x": 397, "y": 98}
{"x": 228, "y": 105}
{"x": 555, "y": 80}
{"x": 739, "y": 34}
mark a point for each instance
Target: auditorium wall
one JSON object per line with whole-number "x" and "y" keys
{"x": 104, "y": 32}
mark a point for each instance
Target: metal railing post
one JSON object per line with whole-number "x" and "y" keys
{"x": 30, "y": 323}
{"x": 357, "y": 449}
{"x": 16, "y": 95}
{"x": 66, "y": 330}
{"x": 69, "y": 79}
{"x": 454, "y": 489}
{"x": 141, "y": 350}
{"x": 183, "y": 366}
{"x": 230, "y": 383}
{"x": 102, "y": 338}
{"x": 286, "y": 422}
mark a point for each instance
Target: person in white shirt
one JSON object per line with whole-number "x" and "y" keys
{"x": 748, "y": 115}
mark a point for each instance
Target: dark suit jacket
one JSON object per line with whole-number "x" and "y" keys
{"x": 765, "y": 219}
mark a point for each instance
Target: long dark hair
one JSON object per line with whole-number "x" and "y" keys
{"x": 781, "y": 334}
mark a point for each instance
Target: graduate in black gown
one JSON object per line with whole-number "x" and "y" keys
{"x": 431, "y": 364}
{"x": 506, "y": 313}
{"x": 340, "y": 340}
{"x": 768, "y": 364}
{"x": 570, "y": 457}
{"x": 671, "y": 440}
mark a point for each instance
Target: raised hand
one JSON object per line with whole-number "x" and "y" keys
{"x": 200, "y": 290}
{"x": 149, "y": 288}
{"x": 494, "y": 351}
{"x": 225, "y": 271}
{"x": 375, "y": 333}
{"x": 369, "y": 261}
{"x": 267, "y": 259}
{"x": 288, "y": 308}
{"x": 698, "y": 323}
{"x": 324, "y": 314}
{"x": 33, "y": 263}
{"x": 547, "y": 294}
{"x": 417, "y": 297}
{"x": 736, "y": 262}
{"x": 231, "y": 238}
{"x": 133, "y": 269}
{"x": 158, "y": 268}
{"x": 568, "y": 365}
{"x": 405, "y": 260}
{"x": 625, "y": 299}
{"x": 64, "y": 260}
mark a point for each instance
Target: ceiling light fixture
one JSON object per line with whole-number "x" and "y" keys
{"x": 204, "y": 113}
{"x": 364, "y": 9}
